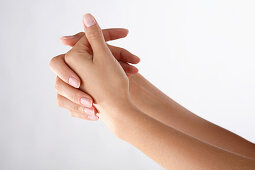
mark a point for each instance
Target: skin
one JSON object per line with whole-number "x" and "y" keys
{"x": 69, "y": 96}
{"x": 157, "y": 105}
{"x": 144, "y": 120}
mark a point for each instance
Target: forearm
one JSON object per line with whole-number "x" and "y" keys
{"x": 160, "y": 107}
{"x": 171, "y": 148}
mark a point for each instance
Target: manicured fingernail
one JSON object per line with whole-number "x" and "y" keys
{"x": 86, "y": 102}
{"x": 74, "y": 82}
{"x": 89, "y": 20}
{"x": 89, "y": 111}
{"x": 92, "y": 117}
{"x": 68, "y": 37}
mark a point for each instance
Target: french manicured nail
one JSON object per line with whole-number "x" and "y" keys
{"x": 92, "y": 117}
{"x": 74, "y": 82}
{"x": 89, "y": 111}
{"x": 89, "y": 20}
{"x": 86, "y": 102}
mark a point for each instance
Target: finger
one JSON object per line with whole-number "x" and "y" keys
{"x": 93, "y": 34}
{"x": 58, "y": 66}
{"x": 129, "y": 69}
{"x": 119, "y": 53}
{"x": 109, "y": 34}
{"x": 81, "y": 116}
{"x": 72, "y": 40}
{"x": 114, "y": 33}
{"x": 75, "y": 95}
{"x": 69, "y": 105}
{"x": 78, "y": 115}
{"x": 123, "y": 55}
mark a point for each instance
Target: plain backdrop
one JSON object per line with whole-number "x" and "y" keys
{"x": 200, "y": 53}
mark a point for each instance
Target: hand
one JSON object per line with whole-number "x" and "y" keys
{"x": 69, "y": 96}
{"x": 105, "y": 80}
{"x": 75, "y": 100}
{"x": 123, "y": 56}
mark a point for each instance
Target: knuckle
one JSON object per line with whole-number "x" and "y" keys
{"x": 80, "y": 34}
{"x": 68, "y": 56}
{"x": 93, "y": 34}
{"x": 53, "y": 61}
{"x": 73, "y": 54}
{"x": 78, "y": 51}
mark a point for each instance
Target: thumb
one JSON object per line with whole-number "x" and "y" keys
{"x": 94, "y": 33}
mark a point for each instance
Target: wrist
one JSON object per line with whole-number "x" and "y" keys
{"x": 147, "y": 97}
{"x": 127, "y": 117}
{"x": 133, "y": 124}
{"x": 114, "y": 113}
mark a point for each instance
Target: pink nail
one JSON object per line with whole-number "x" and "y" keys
{"x": 89, "y": 111}
{"x": 74, "y": 82}
{"x": 86, "y": 102}
{"x": 89, "y": 20}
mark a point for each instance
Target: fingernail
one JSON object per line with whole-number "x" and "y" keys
{"x": 74, "y": 82}
{"x": 92, "y": 117}
{"x": 89, "y": 111}
{"x": 89, "y": 20}
{"x": 86, "y": 102}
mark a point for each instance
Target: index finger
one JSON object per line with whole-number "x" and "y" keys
{"x": 58, "y": 66}
{"x": 109, "y": 34}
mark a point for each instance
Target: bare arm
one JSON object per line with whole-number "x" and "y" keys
{"x": 162, "y": 108}
{"x": 103, "y": 78}
{"x": 157, "y": 105}
{"x": 171, "y": 148}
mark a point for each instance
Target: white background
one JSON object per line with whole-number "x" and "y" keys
{"x": 200, "y": 53}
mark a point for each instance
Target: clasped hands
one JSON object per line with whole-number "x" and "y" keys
{"x": 93, "y": 77}
{"x": 96, "y": 71}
